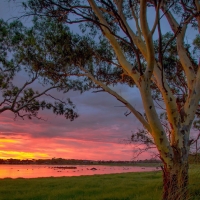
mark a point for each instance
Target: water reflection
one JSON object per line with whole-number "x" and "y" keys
{"x": 35, "y": 171}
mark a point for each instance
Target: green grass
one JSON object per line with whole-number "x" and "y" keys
{"x": 127, "y": 186}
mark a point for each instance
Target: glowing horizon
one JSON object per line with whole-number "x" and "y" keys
{"x": 44, "y": 148}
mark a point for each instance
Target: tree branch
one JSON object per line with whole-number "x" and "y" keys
{"x": 120, "y": 55}
{"x": 121, "y": 99}
{"x": 156, "y": 18}
{"x": 184, "y": 59}
{"x": 148, "y": 40}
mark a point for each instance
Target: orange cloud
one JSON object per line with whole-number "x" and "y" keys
{"x": 22, "y": 155}
{"x": 26, "y": 147}
{"x": 5, "y": 140}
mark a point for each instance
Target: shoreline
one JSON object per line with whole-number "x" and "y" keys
{"x": 37, "y": 171}
{"x": 130, "y": 185}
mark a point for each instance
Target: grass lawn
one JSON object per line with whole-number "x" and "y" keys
{"x": 127, "y": 186}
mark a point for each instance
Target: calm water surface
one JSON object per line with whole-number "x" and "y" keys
{"x": 35, "y": 171}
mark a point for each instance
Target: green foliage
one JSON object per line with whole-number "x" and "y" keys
{"x": 43, "y": 48}
{"x": 22, "y": 100}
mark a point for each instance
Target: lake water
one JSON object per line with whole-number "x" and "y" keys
{"x": 35, "y": 171}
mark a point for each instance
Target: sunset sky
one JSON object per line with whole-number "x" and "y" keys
{"x": 98, "y": 133}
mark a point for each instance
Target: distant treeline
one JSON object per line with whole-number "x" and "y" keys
{"x": 61, "y": 161}
{"x": 193, "y": 158}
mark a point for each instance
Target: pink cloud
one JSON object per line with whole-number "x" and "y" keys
{"x": 98, "y": 138}
{"x": 23, "y": 147}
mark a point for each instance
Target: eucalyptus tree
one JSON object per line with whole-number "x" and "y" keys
{"x": 18, "y": 78}
{"x": 121, "y": 44}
